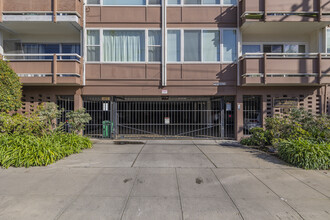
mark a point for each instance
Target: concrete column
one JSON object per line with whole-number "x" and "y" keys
{"x": 264, "y": 109}
{"x": 54, "y": 69}
{"x": 239, "y": 115}
{"x": 78, "y": 101}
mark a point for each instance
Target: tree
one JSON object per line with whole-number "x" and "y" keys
{"x": 10, "y": 89}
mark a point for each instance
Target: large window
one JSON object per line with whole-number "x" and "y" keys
{"x": 158, "y": 2}
{"x": 124, "y": 2}
{"x": 201, "y": 45}
{"x": 50, "y": 48}
{"x": 201, "y": 2}
{"x": 275, "y": 48}
{"x": 123, "y": 46}
{"x": 93, "y": 45}
{"x": 328, "y": 40}
{"x": 155, "y": 45}
{"x": 126, "y": 46}
{"x": 174, "y": 46}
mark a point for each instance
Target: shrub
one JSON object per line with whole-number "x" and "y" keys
{"x": 10, "y": 89}
{"x": 305, "y": 153}
{"x": 48, "y": 113}
{"x": 259, "y": 137}
{"x": 30, "y": 150}
{"x": 21, "y": 124}
{"x": 77, "y": 120}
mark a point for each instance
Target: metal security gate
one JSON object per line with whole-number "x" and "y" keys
{"x": 160, "y": 117}
{"x": 175, "y": 118}
{"x": 103, "y": 112}
{"x": 66, "y": 103}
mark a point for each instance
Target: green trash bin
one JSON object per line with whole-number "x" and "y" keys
{"x": 107, "y": 129}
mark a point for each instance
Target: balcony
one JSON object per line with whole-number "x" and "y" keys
{"x": 47, "y": 69}
{"x": 284, "y": 10}
{"x": 271, "y": 69}
{"x": 42, "y": 10}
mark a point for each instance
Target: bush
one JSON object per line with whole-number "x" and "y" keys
{"x": 10, "y": 89}
{"x": 305, "y": 154}
{"x": 298, "y": 124}
{"x": 30, "y": 150}
{"x": 259, "y": 137}
{"x": 48, "y": 113}
{"x": 21, "y": 124}
{"x": 77, "y": 120}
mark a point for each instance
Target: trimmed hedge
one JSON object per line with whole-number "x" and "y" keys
{"x": 28, "y": 150}
{"x": 305, "y": 154}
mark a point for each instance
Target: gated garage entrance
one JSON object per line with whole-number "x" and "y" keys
{"x": 161, "y": 117}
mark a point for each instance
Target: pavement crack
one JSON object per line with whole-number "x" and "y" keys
{"x": 224, "y": 188}
{"x": 281, "y": 198}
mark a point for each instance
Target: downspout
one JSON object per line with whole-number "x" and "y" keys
{"x": 83, "y": 38}
{"x": 164, "y": 43}
{"x": 239, "y": 44}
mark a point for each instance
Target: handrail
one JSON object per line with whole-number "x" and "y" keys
{"x": 284, "y": 55}
{"x": 42, "y": 55}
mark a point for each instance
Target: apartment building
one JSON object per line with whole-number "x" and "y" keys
{"x": 209, "y": 69}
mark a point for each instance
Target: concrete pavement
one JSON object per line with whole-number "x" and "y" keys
{"x": 166, "y": 180}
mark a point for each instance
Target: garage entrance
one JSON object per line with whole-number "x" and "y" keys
{"x": 161, "y": 117}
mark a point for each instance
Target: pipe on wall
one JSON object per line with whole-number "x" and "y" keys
{"x": 164, "y": 44}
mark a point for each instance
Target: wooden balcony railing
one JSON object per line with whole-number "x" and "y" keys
{"x": 53, "y": 7}
{"x": 47, "y": 69}
{"x": 284, "y": 10}
{"x": 285, "y": 69}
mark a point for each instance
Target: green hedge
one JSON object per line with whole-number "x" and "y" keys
{"x": 27, "y": 150}
{"x": 305, "y": 154}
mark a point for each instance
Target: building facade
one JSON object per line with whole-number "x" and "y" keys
{"x": 208, "y": 69}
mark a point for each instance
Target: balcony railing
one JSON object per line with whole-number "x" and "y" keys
{"x": 56, "y": 8}
{"x": 47, "y": 69}
{"x": 284, "y": 10}
{"x": 285, "y": 68}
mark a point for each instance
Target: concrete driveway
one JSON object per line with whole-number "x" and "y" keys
{"x": 166, "y": 180}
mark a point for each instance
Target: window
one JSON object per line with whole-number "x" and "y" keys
{"x": 192, "y": 46}
{"x": 155, "y": 45}
{"x": 251, "y": 49}
{"x": 294, "y": 48}
{"x": 124, "y": 2}
{"x": 129, "y": 46}
{"x": 173, "y": 46}
{"x": 211, "y": 46}
{"x": 35, "y": 48}
{"x": 202, "y": 2}
{"x": 273, "y": 48}
{"x": 328, "y": 40}
{"x": 93, "y": 2}
{"x": 123, "y": 46}
{"x": 93, "y": 45}
{"x": 229, "y": 45}
{"x": 202, "y": 45}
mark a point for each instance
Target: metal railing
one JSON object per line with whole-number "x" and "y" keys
{"x": 285, "y": 55}
{"x": 42, "y": 57}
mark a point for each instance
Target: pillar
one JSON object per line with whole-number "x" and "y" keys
{"x": 78, "y": 101}
{"x": 239, "y": 115}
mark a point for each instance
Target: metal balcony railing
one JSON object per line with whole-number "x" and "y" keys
{"x": 285, "y": 68}
{"x": 47, "y": 68}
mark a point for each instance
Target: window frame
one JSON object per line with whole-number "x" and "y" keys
{"x": 168, "y": 5}
{"x": 203, "y": 5}
{"x": 202, "y": 57}
{"x": 146, "y": 46}
{"x": 147, "y": 4}
{"x": 261, "y": 44}
{"x": 87, "y": 45}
